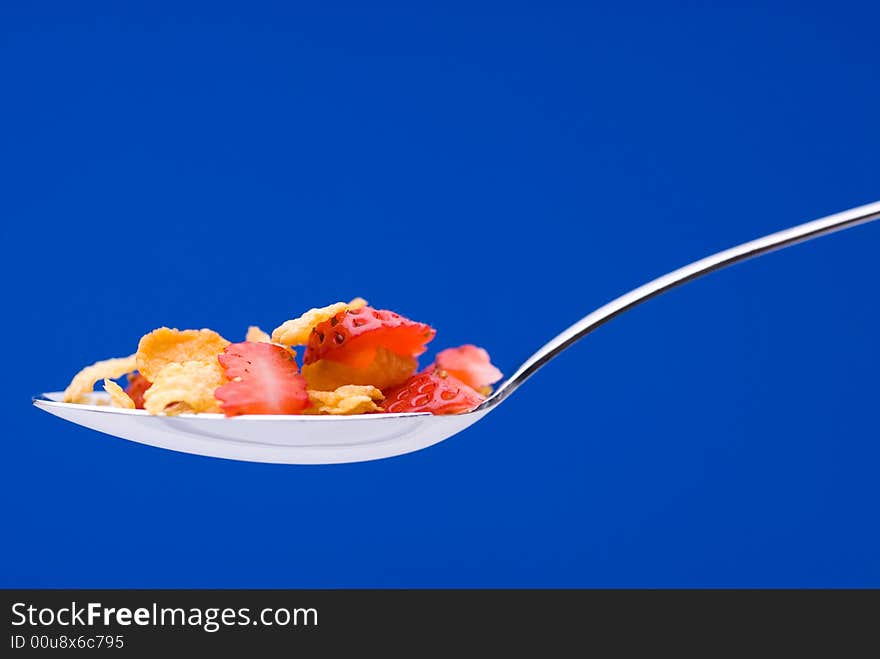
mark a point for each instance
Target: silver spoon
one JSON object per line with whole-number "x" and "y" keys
{"x": 775, "y": 241}
{"x": 302, "y": 439}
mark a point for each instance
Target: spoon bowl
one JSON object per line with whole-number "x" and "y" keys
{"x": 309, "y": 439}
{"x": 287, "y": 439}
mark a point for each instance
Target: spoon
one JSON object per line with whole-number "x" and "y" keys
{"x": 307, "y": 439}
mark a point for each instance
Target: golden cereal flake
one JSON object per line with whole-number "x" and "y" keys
{"x": 296, "y": 332}
{"x": 256, "y": 335}
{"x": 177, "y": 408}
{"x": 84, "y": 381}
{"x": 185, "y": 386}
{"x": 348, "y": 399}
{"x": 388, "y": 369}
{"x": 165, "y": 346}
{"x": 118, "y": 397}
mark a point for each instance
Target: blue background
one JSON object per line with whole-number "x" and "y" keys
{"x": 497, "y": 172}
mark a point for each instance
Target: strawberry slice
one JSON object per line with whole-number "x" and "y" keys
{"x": 263, "y": 378}
{"x": 434, "y": 391}
{"x": 469, "y": 364}
{"x": 137, "y": 385}
{"x": 352, "y": 336}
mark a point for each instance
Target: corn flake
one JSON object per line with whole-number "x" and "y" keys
{"x": 349, "y": 399}
{"x": 296, "y": 332}
{"x": 165, "y": 346}
{"x": 118, "y": 397}
{"x": 256, "y": 335}
{"x": 185, "y": 387}
{"x": 84, "y": 381}
{"x": 388, "y": 369}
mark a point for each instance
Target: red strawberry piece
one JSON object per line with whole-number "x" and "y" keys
{"x": 264, "y": 379}
{"x": 137, "y": 385}
{"x": 352, "y": 337}
{"x": 469, "y": 364}
{"x": 434, "y": 391}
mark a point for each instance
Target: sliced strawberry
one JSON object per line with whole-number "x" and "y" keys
{"x": 469, "y": 364}
{"x": 263, "y": 378}
{"x": 434, "y": 391}
{"x": 352, "y": 337}
{"x": 137, "y": 385}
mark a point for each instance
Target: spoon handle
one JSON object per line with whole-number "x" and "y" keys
{"x": 751, "y": 249}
